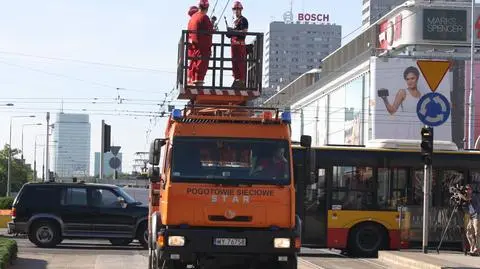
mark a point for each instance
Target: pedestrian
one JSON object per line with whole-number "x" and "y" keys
{"x": 201, "y": 39}
{"x": 473, "y": 228}
{"x": 239, "y": 51}
{"x": 191, "y": 11}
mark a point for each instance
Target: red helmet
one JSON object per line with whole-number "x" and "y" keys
{"x": 203, "y": 4}
{"x": 237, "y": 5}
{"x": 192, "y": 10}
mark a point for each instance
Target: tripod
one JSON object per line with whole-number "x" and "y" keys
{"x": 456, "y": 209}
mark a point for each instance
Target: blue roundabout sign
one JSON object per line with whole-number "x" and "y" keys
{"x": 433, "y": 109}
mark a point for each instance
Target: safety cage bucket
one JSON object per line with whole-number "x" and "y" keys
{"x": 219, "y": 78}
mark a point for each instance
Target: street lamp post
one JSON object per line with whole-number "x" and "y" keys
{"x": 35, "y": 158}
{"x": 23, "y": 127}
{"x": 9, "y": 173}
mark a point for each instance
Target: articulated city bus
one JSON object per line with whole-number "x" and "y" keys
{"x": 352, "y": 198}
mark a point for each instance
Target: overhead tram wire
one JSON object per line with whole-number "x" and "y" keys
{"x": 213, "y": 10}
{"x": 223, "y": 11}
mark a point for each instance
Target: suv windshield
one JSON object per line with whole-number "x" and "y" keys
{"x": 235, "y": 160}
{"x": 125, "y": 195}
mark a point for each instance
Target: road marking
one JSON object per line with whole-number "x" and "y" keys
{"x": 310, "y": 264}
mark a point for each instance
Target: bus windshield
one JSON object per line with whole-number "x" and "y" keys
{"x": 225, "y": 160}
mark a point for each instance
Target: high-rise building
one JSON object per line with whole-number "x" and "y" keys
{"x": 71, "y": 152}
{"x": 292, "y": 49}
{"x": 373, "y": 10}
{"x": 108, "y": 170}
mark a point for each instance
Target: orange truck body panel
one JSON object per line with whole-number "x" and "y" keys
{"x": 207, "y": 205}
{"x": 265, "y": 205}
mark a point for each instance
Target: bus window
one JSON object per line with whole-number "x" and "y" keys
{"x": 450, "y": 178}
{"x": 353, "y": 187}
{"x": 475, "y": 180}
{"x": 417, "y": 185}
{"x": 391, "y": 191}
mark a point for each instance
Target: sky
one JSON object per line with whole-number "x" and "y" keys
{"x": 112, "y": 59}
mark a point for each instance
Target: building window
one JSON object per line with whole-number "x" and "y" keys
{"x": 336, "y": 116}
{"x": 353, "y": 112}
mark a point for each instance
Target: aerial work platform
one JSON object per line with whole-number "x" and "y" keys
{"x": 218, "y": 87}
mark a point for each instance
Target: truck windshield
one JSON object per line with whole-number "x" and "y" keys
{"x": 242, "y": 161}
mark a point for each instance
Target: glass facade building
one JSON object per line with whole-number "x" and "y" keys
{"x": 339, "y": 116}
{"x": 71, "y": 146}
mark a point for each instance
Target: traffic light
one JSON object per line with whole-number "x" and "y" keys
{"x": 106, "y": 137}
{"x": 427, "y": 145}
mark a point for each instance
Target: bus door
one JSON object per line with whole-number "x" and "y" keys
{"x": 315, "y": 205}
{"x": 312, "y": 201}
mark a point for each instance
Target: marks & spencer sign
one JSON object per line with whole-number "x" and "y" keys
{"x": 445, "y": 25}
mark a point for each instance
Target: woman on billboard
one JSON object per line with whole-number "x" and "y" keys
{"x": 406, "y": 99}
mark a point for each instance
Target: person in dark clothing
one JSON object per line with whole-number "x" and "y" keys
{"x": 239, "y": 52}
{"x": 473, "y": 228}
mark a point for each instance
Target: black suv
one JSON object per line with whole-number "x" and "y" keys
{"x": 51, "y": 212}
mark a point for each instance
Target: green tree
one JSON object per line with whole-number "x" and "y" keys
{"x": 20, "y": 174}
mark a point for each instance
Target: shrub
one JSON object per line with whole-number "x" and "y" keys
{"x": 6, "y": 202}
{"x": 8, "y": 252}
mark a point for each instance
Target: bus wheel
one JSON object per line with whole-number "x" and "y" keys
{"x": 366, "y": 239}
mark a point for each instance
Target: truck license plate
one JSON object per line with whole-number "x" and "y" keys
{"x": 236, "y": 242}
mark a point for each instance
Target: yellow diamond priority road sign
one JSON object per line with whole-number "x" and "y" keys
{"x": 433, "y": 72}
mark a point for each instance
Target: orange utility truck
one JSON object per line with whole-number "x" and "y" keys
{"x": 224, "y": 192}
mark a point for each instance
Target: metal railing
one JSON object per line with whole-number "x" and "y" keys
{"x": 220, "y": 64}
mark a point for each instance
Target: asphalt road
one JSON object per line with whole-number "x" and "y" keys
{"x": 80, "y": 255}
{"x": 332, "y": 259}
{"x": 97, "y": 254}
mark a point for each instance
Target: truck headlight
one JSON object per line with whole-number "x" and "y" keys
{"x": 176, "y": 241}
{"x": 281, "y": 243}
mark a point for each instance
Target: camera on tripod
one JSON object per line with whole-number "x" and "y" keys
{"x": 458, "y": 195}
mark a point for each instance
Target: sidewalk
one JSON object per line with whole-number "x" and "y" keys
{"x": 416, "y": 259}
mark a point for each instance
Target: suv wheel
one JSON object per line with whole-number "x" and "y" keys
{"x": 45, "y": 234}
{"x": 142, "y": 234}
{"x": 120, "y": 242}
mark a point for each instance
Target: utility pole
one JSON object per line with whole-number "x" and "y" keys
{"x": 427, "y": 151}
{"x": 9, "y": 174}
{"x": 34, "y": 176}
{"x": 471, "y": 99}
{"x": 47, "y": 167}
{"x": 102, "y": 147}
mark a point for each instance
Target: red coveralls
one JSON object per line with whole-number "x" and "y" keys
{"x": 201, "y": 45}
{"x": 239, "y": 51}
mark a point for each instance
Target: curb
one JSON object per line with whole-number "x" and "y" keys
{"x": 397, "y": 259}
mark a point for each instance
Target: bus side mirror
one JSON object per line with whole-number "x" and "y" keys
{"x": 306, "y": 141}
{"x": 155, "y": 148}
{"x": 154, "y": 176}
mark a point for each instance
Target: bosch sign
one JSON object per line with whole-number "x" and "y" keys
{"x": 313, "y": 17}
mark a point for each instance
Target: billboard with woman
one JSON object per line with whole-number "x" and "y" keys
{"x": 396, "y": 86}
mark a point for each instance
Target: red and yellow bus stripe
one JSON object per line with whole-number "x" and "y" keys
{"x": 341, "y": 221}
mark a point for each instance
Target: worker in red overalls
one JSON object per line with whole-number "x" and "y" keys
{"x": 201, "y": 42}
{"x": 191, "y": 11}
{"x": 239, "y": 52}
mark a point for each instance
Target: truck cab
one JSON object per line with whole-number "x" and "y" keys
{"x": 224, "y": 193}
